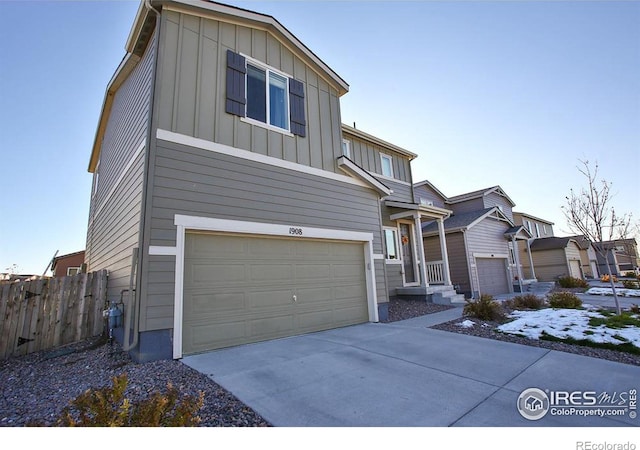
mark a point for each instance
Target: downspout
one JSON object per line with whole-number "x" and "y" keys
{"x": 135, "y": 273}
{"x": 466, "y": 253}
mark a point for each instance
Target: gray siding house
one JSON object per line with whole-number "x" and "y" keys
{"x": 229, "y": 203}
{"x": 481, "y": 238}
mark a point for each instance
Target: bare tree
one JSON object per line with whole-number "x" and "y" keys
{"x": 590, "y": 213}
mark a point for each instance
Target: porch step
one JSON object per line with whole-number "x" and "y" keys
{"x": 449, "y": 297}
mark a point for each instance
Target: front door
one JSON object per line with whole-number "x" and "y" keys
{"x": 408, "y": 254}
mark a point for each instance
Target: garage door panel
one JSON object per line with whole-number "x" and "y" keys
{"x": 210, "y": 274}
{"x": 272, "y": 273}
{"x": 270, "y": 298}
{"x": 304, "y": 272}
{"x": 214, "y": 303}
{"x": 247, "y": 296}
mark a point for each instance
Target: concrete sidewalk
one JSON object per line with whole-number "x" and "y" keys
{"x": 405, "y": 374}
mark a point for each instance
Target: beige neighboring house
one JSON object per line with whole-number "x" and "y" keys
{"x": 552, "y": 258}
{"x": 588, "y": 257}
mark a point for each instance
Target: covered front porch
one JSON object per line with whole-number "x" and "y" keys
{"x": 432, "y": 279}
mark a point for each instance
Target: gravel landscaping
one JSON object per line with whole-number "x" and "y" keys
{"x": 36, "y": 387}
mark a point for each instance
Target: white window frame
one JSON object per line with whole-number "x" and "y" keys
{"x": 346, "y": 148}
{"x": 528, "y": 225}
{"x": 537, "y": 229}
{"x": 396, "y": 234}
{"x": 545, "y": 229}
{"x": 383, "y": 157}
{"x": 267, "y": 69}
{"x": 69, "y": 269}
{"x": 96, "y": 177}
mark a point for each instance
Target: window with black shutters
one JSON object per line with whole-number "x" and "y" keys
{"x": 264, "y": 95}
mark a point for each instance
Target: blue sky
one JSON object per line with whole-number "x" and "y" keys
{"x": 508, "y": 93}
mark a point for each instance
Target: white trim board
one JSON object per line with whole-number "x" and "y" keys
{"x": 195, "y": 223}
{"x": 211, "y": 146}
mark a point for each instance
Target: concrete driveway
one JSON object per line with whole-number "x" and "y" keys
{"x": 405, "y": 374}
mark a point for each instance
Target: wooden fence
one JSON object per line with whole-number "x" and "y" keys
{"x": 49, "y": 312}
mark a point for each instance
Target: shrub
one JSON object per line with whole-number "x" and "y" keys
{"x": 630, "y": 284}
{"x": 486, "y": 308}
{"x": 564, "y": 300}
{"x": 527, "y": 301}
{"x": 635, "y": 309}
{"x": 108, "y": 407}
{"x": 571, "y": 282}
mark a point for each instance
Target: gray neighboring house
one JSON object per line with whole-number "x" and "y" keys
{"x": 229, "y": 203}
{"x": 481, "y": 238}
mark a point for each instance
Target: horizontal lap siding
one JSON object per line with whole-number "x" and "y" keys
{"x": 198, "y": 182}
{"x": 192, "y": 91}
{"x": 115, "y": 211}
{"x": 494, "y": 199}
{"x": 429, "y": 194}
{"x": 550, "y": 264}
{"x": 487, "y": 237}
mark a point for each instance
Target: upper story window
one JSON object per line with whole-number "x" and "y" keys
{"x": 528, "y": 225}
{"x": 267, "y": 97}
{"x": 264, "y": 95}
{"x": 425, "y": 202}
{"x": 387, "y": 165}
{"x": 346, "y": 148}
{"x": 537, "y": 230}
{"x": 545, "y": 230}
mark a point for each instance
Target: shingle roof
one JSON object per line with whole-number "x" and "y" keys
{"x": 457, "y": 221}
{"x": 550, "y": 243}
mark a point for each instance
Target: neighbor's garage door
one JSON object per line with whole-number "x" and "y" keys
{"x": 242, "y": 289}
{"x": 574, "y": 267}
{"x": 492, "y": 275}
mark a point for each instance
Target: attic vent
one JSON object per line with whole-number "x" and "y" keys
{"x": 425, "y": 202}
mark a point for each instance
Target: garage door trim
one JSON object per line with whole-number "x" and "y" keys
{"x": 195, "y": 223}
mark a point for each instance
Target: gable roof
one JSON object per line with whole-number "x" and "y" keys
{"x": 429, "y": 185}
{"x": 552, "y": 243}
{"x": 466, "y": 220}
{"x": 529, "y": 216}
{"x": 479, "y": 194}
{"x": 144, "y": 26}
{"x": 368, "y": 137}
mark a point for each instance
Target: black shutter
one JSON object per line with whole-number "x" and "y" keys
{"x": 236, "y": 97}
{"x": 296, "y": 107}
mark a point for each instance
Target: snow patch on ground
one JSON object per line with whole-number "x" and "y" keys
{"x": 567, "y": 323}
{"x": 608, "y": 291}
{"x": 466, "y": 324}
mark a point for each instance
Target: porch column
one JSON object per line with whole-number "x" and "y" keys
{"x": 516, "y": 255}
{"x": 533, "y": 270}
{"x": 420, "y": 245}
{"x": 443, "y": 250}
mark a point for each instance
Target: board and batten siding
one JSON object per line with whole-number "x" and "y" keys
{"x": 487, "y": 238}
{"x": 197, "y": 182}
{"x": 367, "y": 155}
{"x": 192, "y": 87}
{"x": 115, "y": 208}
{"x": 429, "y": 194}
{"x": 494, "y": 199}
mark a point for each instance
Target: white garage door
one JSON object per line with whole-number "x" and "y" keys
{"x": 492, "y": 276}
{"x": 574, "y": 267}
{"x": 243, "y": 289}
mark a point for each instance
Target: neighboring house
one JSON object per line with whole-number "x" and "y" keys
{"x": 481, "y": 239}
{"x": 554, "y": 257}
{"x": 229, "y": 203}
{"x": 538, "y": 228}
{"x": 588, "y": 257}
{"x": 67, "y": 265}
{"x": 622, "y": 254}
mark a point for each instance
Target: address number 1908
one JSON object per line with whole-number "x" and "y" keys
{"x": 295, "y": 231}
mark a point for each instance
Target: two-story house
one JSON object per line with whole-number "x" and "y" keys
{"x": 482, "y": 240}
{"x": 229, "y": 203}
